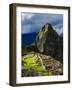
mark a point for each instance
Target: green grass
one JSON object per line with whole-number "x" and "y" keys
{"x": 31, "y": 63}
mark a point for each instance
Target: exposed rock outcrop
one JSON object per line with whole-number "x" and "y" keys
{"x": 49, "y": 42}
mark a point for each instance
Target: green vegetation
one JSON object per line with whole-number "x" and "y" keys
{"x": 37, "y": 64}
{"x": 32, "y": 63}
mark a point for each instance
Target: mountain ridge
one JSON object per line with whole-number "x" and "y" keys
{"x": 49, "y": 42}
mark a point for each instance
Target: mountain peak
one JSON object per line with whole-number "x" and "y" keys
{"x": 47, "y": 27}
{"x": 48, "y": 24}
{"x": 46, "y": 31}
{"x": 49, "y": 42}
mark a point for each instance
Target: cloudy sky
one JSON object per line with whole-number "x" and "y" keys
{"x": 33, "y": 22}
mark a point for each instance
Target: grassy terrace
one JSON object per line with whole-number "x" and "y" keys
{"x": 33, "y": 63}
{"x": 37, "y": 64}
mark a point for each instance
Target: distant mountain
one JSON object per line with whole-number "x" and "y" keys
{"x": 49, "y": 42}
{"x": 28, "y": 39}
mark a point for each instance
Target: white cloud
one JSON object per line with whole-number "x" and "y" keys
{"x": 27, "y": 15}
{"x": 35, "y": 21}
{"x": 58, "y": 28}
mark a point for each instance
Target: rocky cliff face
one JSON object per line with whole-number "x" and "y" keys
{"x": 49, "y": 42}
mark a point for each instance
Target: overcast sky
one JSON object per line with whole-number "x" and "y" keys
{"x": 33, "y": 22}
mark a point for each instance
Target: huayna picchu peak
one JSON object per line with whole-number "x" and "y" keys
{"x": 49, "y": 42}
